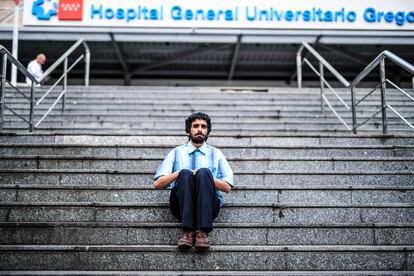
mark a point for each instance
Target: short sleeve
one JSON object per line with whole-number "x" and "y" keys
{"x": 166, "y": 166}
{"x": 224, "y": 171}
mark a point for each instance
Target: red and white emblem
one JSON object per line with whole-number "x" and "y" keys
{"x": 70, "y": 10}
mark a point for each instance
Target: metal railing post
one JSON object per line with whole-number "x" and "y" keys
{"x": 299, "y": 68}
{"x": 322, "y": 87}
{"x": 354, "y": 118}
{"x": 87, "y": 63}
{"x": 383, "y": 100}
{"x": 3, "y": 90}
{"x": 65, "y": 83}
{"x": 32, "y": 103}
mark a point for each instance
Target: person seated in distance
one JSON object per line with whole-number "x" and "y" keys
{"x": 197, "y": 173}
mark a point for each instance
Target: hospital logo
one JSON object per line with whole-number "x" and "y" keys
{"x": 64, "y": 9}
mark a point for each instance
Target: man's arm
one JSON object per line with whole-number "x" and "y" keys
{"x": 165, "y": 180}
{"x": 222, "y": 185}
{"x": 165, "y": 175}
{"x": 224, "y": 181}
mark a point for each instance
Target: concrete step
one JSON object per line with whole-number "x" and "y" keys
{"x": 219, "y": 101}
{"x": 130, "y": 129}
{"x": 186, "y": 95}
{"x": 154, "y": 127}
{"x": 241, "y": 163}
{"x": 242, "y": 178}
{"x": 283, "y": 124}
{"x": 204, "y": 273}
{"x": 206, "y": 92}
{"x": 302, "y": 258}
{"x": 221, "y": 127}
{"x": 116, "y": 129}
{"x": 202, "y": 91}
{"x": 213, "y": 106}
{"x": 180, "y": 115}
{"x": 210, "y": 109}
{"x": 141, "y": 117}
{"x": 394, "y": 126}
{"x": 245, "y": 194}
{"x": 229, "y": 213}
{"x": 235, "y": 128}
{"x": 161, "y": 125}
{"x": 222, "y": 140}
{"x": 315, "y": 118}
{"x": 228, "y": 151}
{"x": 121, "y": 233}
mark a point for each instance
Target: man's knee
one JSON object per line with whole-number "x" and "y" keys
{"x": 185, "y": 173}
{"x": 185, "y": 178}
{"x": 204, "y": 175}
{"x": 203, "y": 172}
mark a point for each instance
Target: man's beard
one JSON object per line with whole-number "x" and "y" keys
{"x": 198, "y": 138}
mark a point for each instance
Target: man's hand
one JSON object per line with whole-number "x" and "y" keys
{"x": 165, "y": 180}
{"x": 45, "y": 79}
{"x": 222, "y": 185}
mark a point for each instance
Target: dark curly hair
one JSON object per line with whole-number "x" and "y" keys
{"x": 195, "y": 116}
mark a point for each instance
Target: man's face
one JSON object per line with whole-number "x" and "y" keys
{"x": 41, "y": 59}
{"x": 198, "y": 131}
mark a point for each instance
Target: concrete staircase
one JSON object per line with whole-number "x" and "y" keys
{"x": 311, "y": 198}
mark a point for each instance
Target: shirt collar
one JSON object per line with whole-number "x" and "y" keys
{"x": 192, "y": 149}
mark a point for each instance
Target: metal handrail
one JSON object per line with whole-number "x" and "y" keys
{"x": 10, "y": 15}
{"x": 6, "y": 17}
{"x": 62, "y": 58}
{"x": 7, "y": 56}
{"x": 58, "y": 62}
{"x": 385, "y": 54}
{"x": 379, "y": 60}
{"x": 322, "y": 64}
{"x": 13, "y": 60}
{"x": 62, "y": 94}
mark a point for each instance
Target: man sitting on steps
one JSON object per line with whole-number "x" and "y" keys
{"x": 196, "y": 173}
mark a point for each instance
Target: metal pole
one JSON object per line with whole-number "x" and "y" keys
{"x": 32, "y": 103}
{"x": 87, "y": 63}
{"x": 3, "y": 89}
{"x": 15, "y": 44}
{"x": 322, "y": 87}
{"x": 383, "y": 100}
{"x": 354, "y": 119}
{"x": 65, "y": 83}
{"x": 299, "y": 68}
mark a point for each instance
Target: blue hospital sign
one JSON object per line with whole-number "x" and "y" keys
{"x": 239, "y": 14}
{"x": 40, "y": 11}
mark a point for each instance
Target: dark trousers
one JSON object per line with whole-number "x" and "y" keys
{"x": 193, "y": 200}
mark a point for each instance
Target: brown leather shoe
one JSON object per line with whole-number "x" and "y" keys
{"x": 202, "y": 242}
{"x": 186, "y": 241}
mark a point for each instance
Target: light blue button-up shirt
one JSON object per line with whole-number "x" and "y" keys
{"x": 206, "y": 156}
